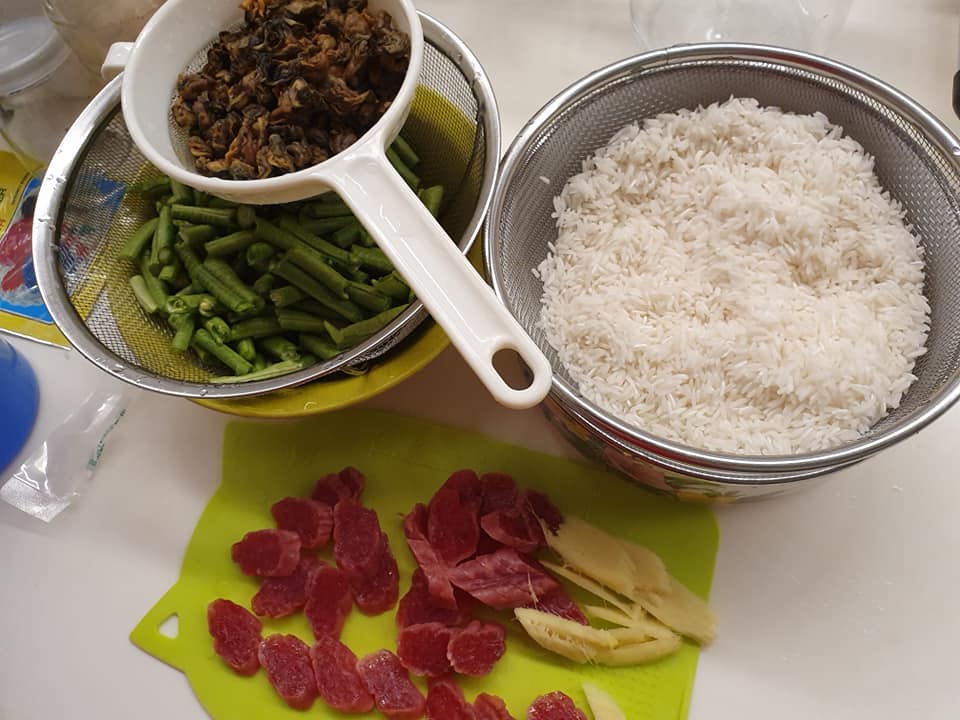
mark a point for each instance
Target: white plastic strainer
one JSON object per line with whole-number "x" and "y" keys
{"x": 455, "y": 295}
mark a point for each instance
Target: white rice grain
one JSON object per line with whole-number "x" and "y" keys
{"x": 735, "y": 278}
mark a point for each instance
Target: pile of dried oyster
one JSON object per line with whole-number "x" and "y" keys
{"x": 300, "y": 81}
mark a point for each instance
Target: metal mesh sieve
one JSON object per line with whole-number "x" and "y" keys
{"x": 84, "y": 215}
{"x": 916, "y": 161}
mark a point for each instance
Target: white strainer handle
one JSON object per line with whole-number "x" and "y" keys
{"x": 459, "y": 300}
{"x": 116, "y": 60}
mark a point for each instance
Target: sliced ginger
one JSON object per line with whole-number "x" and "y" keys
{"x": 574, "y": 641}
{"x": 639, "y": 653}
{"x": 602, "y": 705}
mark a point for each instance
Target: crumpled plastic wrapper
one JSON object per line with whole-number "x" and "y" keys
{"x": 54, "y": 472}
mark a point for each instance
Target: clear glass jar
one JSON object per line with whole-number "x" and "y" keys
{"x": 90, "y": 27}
{"x": 43, "y": 88}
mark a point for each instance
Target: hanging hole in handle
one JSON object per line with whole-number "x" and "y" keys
{"x": 170, "y": 627}
{"x": 512, "y": 369}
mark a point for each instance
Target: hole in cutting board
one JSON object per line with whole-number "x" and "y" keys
{"x": 511, "y": 367}
{"x": 170, "y": 627}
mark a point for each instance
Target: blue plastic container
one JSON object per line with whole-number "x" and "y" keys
{"x": 18, "y": 402}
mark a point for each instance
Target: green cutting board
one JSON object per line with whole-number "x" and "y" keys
{"x": 405, "y": 460}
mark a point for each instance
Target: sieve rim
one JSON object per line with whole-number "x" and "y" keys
{"x": 51, "y": 202}
{"x": 728, "y": 467}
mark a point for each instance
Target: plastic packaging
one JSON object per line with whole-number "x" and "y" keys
{"x": 54, "y": 472}
{"x": 18, "y": 402}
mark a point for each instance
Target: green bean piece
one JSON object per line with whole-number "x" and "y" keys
{"x": 153, "y": 284}
{"x": 143, "y": 295}
{"x": 314, "y": 307}
{"x": 225, "y": 354}
{"x": 295, "y": 276}
{"x": 162, "y": 240}
{"x": 216, "y": 202}
{"x": 218, "y": 327}
{"x": 351, "y": 335}
{"x": 263, "y": 284}
{"x": 247, "y": 349}
{"x": 221, "y": 217}
{"x": 184, "y": 326}
{"x": 259, "y": 362}
{"x": 201, "y": 199}
{"x": 325, "y": 226}
{"x": 366, "y": 239}
{"x": 393, "y": 286}
{"x": 151, "y": 186}
{"x": 340, "y": 256}
{"x": 179, "y": 304}
{"x": 408, "y": 175}
{"x": 406, "y": 153}
{"x": 246, "y": 216}
{"x": 314, "y": 263}
{"x": 324, "y": 209}
{"x": 286, "y": 295}
{"x": 202, "y": 276}
{"x": 276, "y": 236}
{"x": 226, "y": 274}
{"x": 299, "y": 321}
{"x": 279, "y": 347}
{"x": 181, "y": 193}
{"x": 431, "y": 197}
{"x": 189, "y": 289}
{"x": 266, "y": 372}
{"x": 196, "y": 235}
{"x": 372, "y": 258}
{"x": 318, "y": 346}
{"x": 230, "y": 244}
{"x": 135, "y": 244}
{"x": 259, "y": 252}
{"x": 359, "y": 275}
{"x": 347, "y": 235}
{"x": 258, "y": 327}
{"x": 368, "y": 297}
{"x": 168, "y": 273}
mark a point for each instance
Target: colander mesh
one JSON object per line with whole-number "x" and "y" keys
{"x": 444, "y": 125}
{"x": 910, "y": 167}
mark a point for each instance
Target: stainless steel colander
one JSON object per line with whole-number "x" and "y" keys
{"x": 83, "y": 215}
{"x": 917, "y": 161}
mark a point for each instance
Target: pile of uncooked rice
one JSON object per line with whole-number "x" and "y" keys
{"x": 735, "y": 278}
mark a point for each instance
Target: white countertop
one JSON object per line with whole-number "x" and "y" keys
{"x": 836, "y": 602}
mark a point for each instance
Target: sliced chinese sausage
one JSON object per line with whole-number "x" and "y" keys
{"x": 357, "y": 538}
{"x": 423, "y": 648}
{"x": 515, "y": 527}
{"x": 282, "y": 596}
{"x": 332, "y": 488}
{"x": 554, "y": 706}
{"x": 267, "y": 553}
{"x": 497, "y": 492}
{"x": 503, "y": 580}
{"x": 286, "y": 660}
{"x": 389, "y": 683}
{"x": 311, "y": 519}
{"x": 435, "y": 570}
{"x": 418, "y": 606}
{"x": 377, "y": 592}
{"x": 475, "y": 649}
{"x": 236, "y": 635}
{"x": 329, "y": 600}
{"x": 338, "y": 680}
{"x": 452, "y": 526}
{"x": 490, "y": 707}
{"x": 543, "y": 507}
{"x": 445, "y": 701}
{"x": 467, "y": 485}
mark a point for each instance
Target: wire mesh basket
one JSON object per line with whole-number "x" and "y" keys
{"x": 84, "y": 214}
{"x": 917, "y": 162}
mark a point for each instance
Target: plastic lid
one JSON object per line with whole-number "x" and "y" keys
{"x": 18, "y": 403}
{"x": 30, "y": 52}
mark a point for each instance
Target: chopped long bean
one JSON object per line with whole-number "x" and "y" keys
{"x": 266, "y": 372}
{"x": 279, "y": 347}
{"x": 406, "y": 153}
{"x": 258, "y": 327}
{"x": 142, "y": 294}
{"x": 347, "y": 235}
{"x": 408, "y": 175}
{"x": 368, "y": 297}
{"x": 221, "y": 217}
{"x": 202, "y": 276}
{"x": 325, "y": 226}
{"x": 197, "y": 235}
{"x": 276, "y": 236}
{"x": 298, "y": 321}
{"x": 258, "y": 254}
{"x": 226, "y": 274}
{"x": 247, "y": 349}
{"x": 263, "y": 284}
{"x": 224, "y": 353}
{"x": 295, "y": 276}
{"x": 184, "y": 326}
{"x": 153, "y": 284}
{"x": 246, "y": 216}
{"x": 340, "y": 256}
{"x": 286, "y": 295}
{"x": 181, "y": 193}
{"x": 431, "y": 197}
{"x": 314, "y": 263}
{"x": 230, "y": 244}
{"x": 393, "y": 286}
{"x": 350, "y": 335}
{"x": 372, "y": 258}
{"x": 218, "y": 327}
{"x": 133, "y": 247}
{"x": 326, "y": 209}
{"x": 318, "y": 346}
